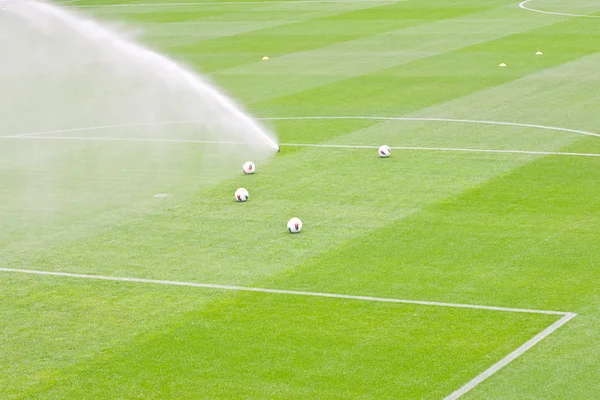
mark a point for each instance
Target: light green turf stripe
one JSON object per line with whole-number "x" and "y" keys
{"x": 565, "y": 95}
{"x": 171, "y": 35}
{"x": 525, "y": 100}
{"x": 570, "y": 359}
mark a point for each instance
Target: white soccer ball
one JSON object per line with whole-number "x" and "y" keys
{"x": 384, "y": 151}
{"x": 248, "y": 168}
{"x": 294, "y": 225}
{"x": 241, "y": 194}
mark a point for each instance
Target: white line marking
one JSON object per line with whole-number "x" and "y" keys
{"x": 199, "y": 3}
{"x": 448, "y": 149}
{"x": 280, "y": 291}
{"x": 524, "y": 6}
{"x": 511, "y": 357}
{"x": 464, "y": 121}
{"x": 312, "y": 145}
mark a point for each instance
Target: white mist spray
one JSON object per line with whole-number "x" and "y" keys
{"x": 69, "y": 70}
{"x": 62, "y": 71}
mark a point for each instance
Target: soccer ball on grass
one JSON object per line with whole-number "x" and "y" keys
{"x": 294, "y": 225}
{"x": 241, "y": 195}
{"x": 248, "y": 168}
{"x": 384, "y": 151}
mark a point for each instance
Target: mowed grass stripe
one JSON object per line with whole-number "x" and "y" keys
{"x": 571, "y": 87}
{"x": 568, "y": 357}
{"x": 49, "y": 325}
{"x": 179, "y": 31}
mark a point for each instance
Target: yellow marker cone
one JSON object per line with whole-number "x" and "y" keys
{"x": 539, "y": 53}
{"x": 502, "y": 65}
{"x": 265, "y": 58}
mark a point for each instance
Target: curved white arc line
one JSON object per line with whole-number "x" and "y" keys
{"x": 375, "y": 118}
{"x": 465, "y": 121}
{"x": 524, "y": 7}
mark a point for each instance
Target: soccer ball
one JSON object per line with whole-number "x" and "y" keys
{"x": 241, "y": 194}
{"x": 294, "y": 225}
{"x": 248, "y": 168}
{"x": 384, "y": 151}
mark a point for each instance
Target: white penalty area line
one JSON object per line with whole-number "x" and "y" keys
{"x": 524, "y": 6}
{"x": 510, "y": 357}
{"x": 280, "y": 291}
{"x": 565, "y": 316}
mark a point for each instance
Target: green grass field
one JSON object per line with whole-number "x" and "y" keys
{"x": 466, "y": 212}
